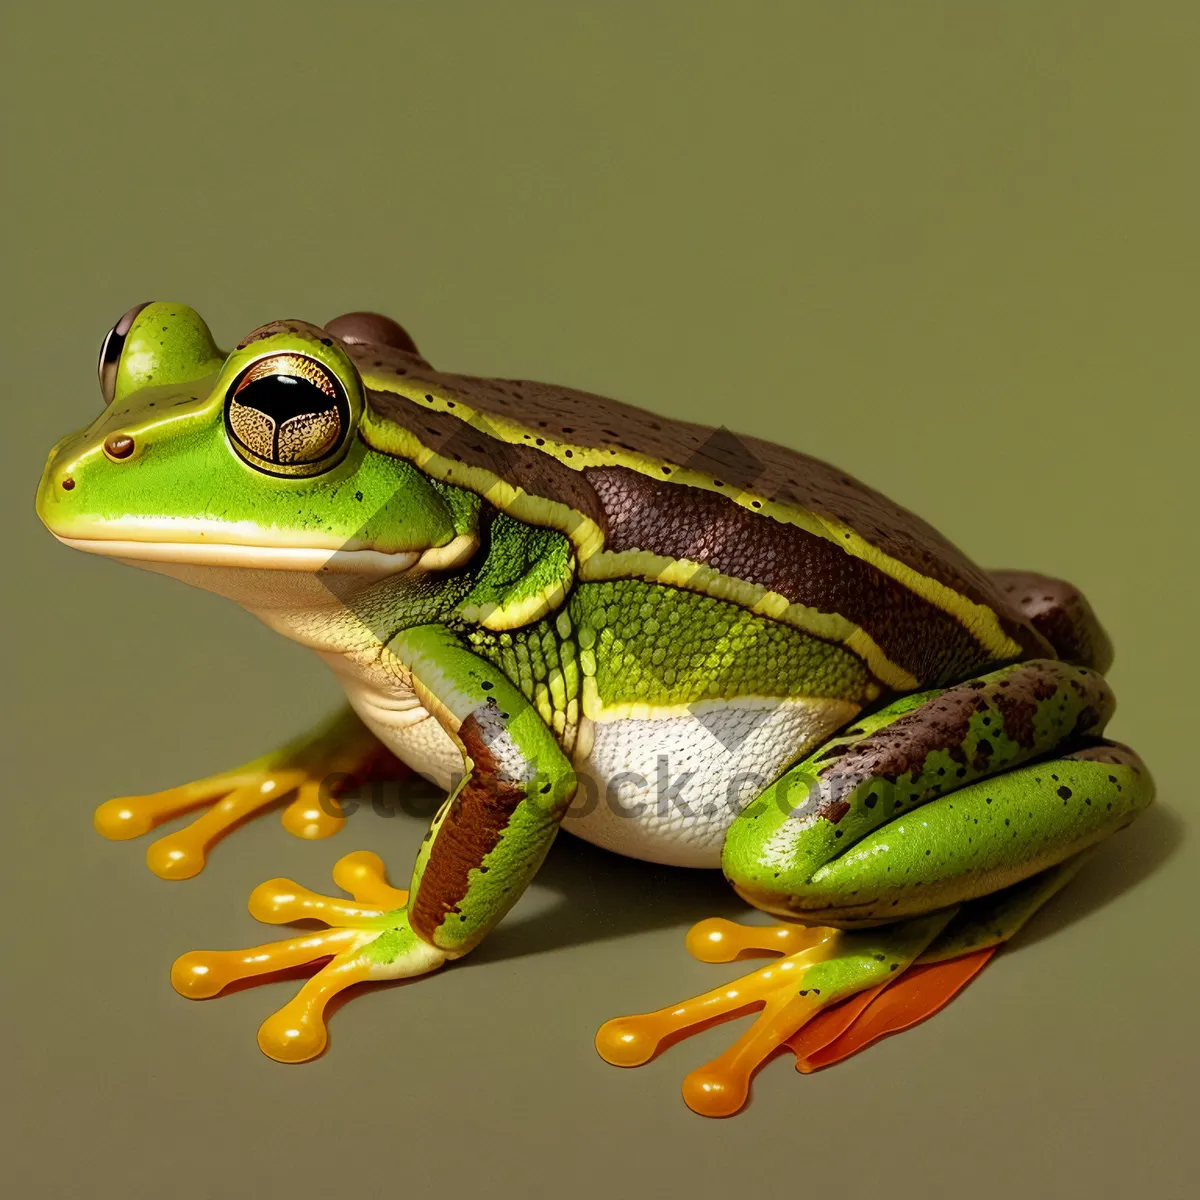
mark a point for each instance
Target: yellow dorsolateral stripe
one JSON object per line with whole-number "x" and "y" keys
{"x": 979, "y": 620}
{"x": 393, "y": 439}
{"x": 595, "y": 709}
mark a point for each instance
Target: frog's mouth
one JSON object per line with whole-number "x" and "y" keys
{"x": 301, "y": 559}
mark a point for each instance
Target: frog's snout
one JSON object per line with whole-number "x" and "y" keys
{"x": 63, "y": 486}
{"x": 57, "y": 477}
{"x": 62, "y": 494}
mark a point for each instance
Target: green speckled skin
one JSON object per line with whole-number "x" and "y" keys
{"x": 168, "y": 345}
{"x": 970, "y": 842}
{"x": 869, "y": 958}
{"x": 530, "y": 565}
{"x": 661, "y": 646}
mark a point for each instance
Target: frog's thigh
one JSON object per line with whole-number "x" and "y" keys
{"x": 936, "y": 800}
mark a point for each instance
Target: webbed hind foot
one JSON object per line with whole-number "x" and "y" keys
{"x": 819, "y": 967}
{"x": 832, "y": 993}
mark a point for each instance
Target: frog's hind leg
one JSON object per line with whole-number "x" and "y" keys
{"x": 313, "y": 767}
{"x": 879, "y": 837}
{"x": 832, "y": 993}
{"x": 939, "y": 799}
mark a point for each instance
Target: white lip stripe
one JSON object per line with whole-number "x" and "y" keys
{"x": 271, "y": 558}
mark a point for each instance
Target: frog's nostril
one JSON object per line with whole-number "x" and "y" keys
{"x": 118, "y": 446}
{"x": 68, "y": 483}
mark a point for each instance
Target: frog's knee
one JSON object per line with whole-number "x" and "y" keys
{"x": 770, "y": 866}
{"x": 1060, "y": 612}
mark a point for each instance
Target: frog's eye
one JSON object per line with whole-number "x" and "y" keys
{"x": 110, "y": 352}
{"x": 287, "y": 414}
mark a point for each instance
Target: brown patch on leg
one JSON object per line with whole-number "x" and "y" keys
{"x": 947, "y": 722}
{"x": 479, "y": 814}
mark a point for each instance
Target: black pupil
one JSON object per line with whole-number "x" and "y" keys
{"x": 284, "y": 396}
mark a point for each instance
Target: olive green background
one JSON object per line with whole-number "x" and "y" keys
{"x": 951, "y": 247}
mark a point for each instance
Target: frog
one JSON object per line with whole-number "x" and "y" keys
{"x": 686, "y": 646}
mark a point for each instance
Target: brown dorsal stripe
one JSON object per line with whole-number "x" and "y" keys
{"x": 682, "y": 522}
{"x": 519, "y": 465}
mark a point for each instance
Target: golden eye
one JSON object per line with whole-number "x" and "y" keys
{"x": 287, "y": 415}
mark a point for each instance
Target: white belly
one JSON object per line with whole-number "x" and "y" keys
{"x": 666, "y": 789}
{"x": 663, "y": 789}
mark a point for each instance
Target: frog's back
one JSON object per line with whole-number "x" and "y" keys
{"x": 690, "y": 506}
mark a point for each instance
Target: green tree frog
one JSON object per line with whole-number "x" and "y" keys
{"x": 707, "y": 650}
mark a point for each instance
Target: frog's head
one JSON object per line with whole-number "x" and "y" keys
{"x": 251, "y": 461}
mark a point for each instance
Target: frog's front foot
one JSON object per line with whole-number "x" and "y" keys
{"x": 369, "y": 938}
{"x": 315, "y": 767}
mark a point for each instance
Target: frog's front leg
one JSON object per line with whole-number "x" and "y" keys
{"x": 312, "y": 767}
{"x": 943, "y": 799}
{"x": 483, "y": 847}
